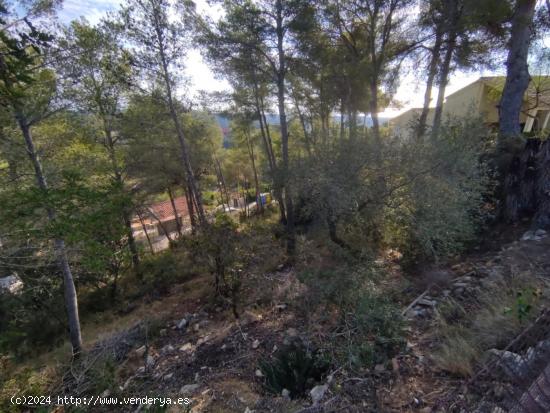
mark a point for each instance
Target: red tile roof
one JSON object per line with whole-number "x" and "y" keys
{"x": 164, "y": 211}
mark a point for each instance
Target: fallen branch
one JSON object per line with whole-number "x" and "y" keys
{"x": 417, "y": 299}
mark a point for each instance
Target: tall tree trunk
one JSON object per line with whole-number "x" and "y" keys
{"x": 176, "y": 215}
{"x": 126, "y": 213}
{"x": 373, "y": 106}
{"x": 266, "y": 137}
{"x": 162, "y": 227}
{"x": 220, "y": 190}
{"x": 352, "y": 124}
{"x": 443, "y": 81}
{"x": 542, "y": 217}
{"x": 223, "y": 186}
{"x": 190, "y": 209}
{"x": 264, "y": 128}
{"x": 184, "y": 151}
{"x": 146, "y": 233}
{"x": 303, "y": 124}
{"x": 259, "y": 204}
{"x": 132, "y": 246}
{"x": 517, "y": 70}
{"x": 71, "y": 301}
{"x": 291, "y": 236}
{"x": 432, "y": 73}
{"x": 342, "y": 123}
{"x": 454, "y": 12}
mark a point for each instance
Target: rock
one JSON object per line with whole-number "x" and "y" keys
{"x": 167, "y": 349}
{"x": 247, "y": 410}
{"x": 202, "y": 340}
{"x": 127, "y": 383}
{"x": 189, "y": 389}
{"x": 292, "y": 332}
{"x": 499, "y": 391}
{"x": 379, "y": 368}
{"x": 536, "y": 235}
{"x": 512, "y": 364}
{"x": 258, "y": 373}
{"x": 426, "y": 303}
{"x": 540, "y": 233}
{"x": 286, "y": 394}
{"x": 186, "y": 347}
{"x": 150, "y": 362}
{"x": 318, "y": 392}
{"x": 140, "y": 351}
{"x": 182, "y": 324}
{"x": 446, "y": 293}
{"x": 255, "y": 344}
{"x": 168, "y": 377}
{"x": 528, "y": 236}
{"x": 459, "y": 290}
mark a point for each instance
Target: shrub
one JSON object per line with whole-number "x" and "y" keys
{"x": 439, "y": 189}
{"x": 370, "y": 326}
{"x": 162, "y": 270}
{"x": 425, "y": 197}
{"x": 295, "y": 368}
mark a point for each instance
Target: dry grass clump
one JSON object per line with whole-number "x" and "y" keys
{"x": 493, "y": 321}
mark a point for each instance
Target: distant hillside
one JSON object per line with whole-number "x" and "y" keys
{"x": 224, "y": 123}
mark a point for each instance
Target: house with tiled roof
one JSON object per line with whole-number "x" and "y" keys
{"x": 161, "y": 217}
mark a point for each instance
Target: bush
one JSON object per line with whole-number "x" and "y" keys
{"x": 295, "y": 368}
{"x": 378, "y": 331}
{"x": 32, "y": 319}
{"x": 370, "y": 326}
{"x": 162, "y": 270}
{"x": 440, "y": 186}
{"x": 425, "y": 197}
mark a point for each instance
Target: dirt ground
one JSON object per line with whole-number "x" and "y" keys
{"x": 213, "y": 359}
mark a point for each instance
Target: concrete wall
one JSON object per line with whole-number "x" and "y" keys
{"x": 465, "y": 102}
{"x": 481, "y": 98}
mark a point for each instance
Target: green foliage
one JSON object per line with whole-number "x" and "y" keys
{"x": 523, "y": 304}
{"x": 439, "y": 190}
{"x": 425, "y": 198}
{"x": 161, "y": 271}
{"x": 294, "y": 367}
{"x": 216, "y": 247}
{"x": 26, "y": 382}
{"x": 378, "y": 331}
{"x": 370, "y": 326}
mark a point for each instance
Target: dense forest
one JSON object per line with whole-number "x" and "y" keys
{"x": 281, "y": 245}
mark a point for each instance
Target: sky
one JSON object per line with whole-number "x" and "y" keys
{"x": 409, "y": 94}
